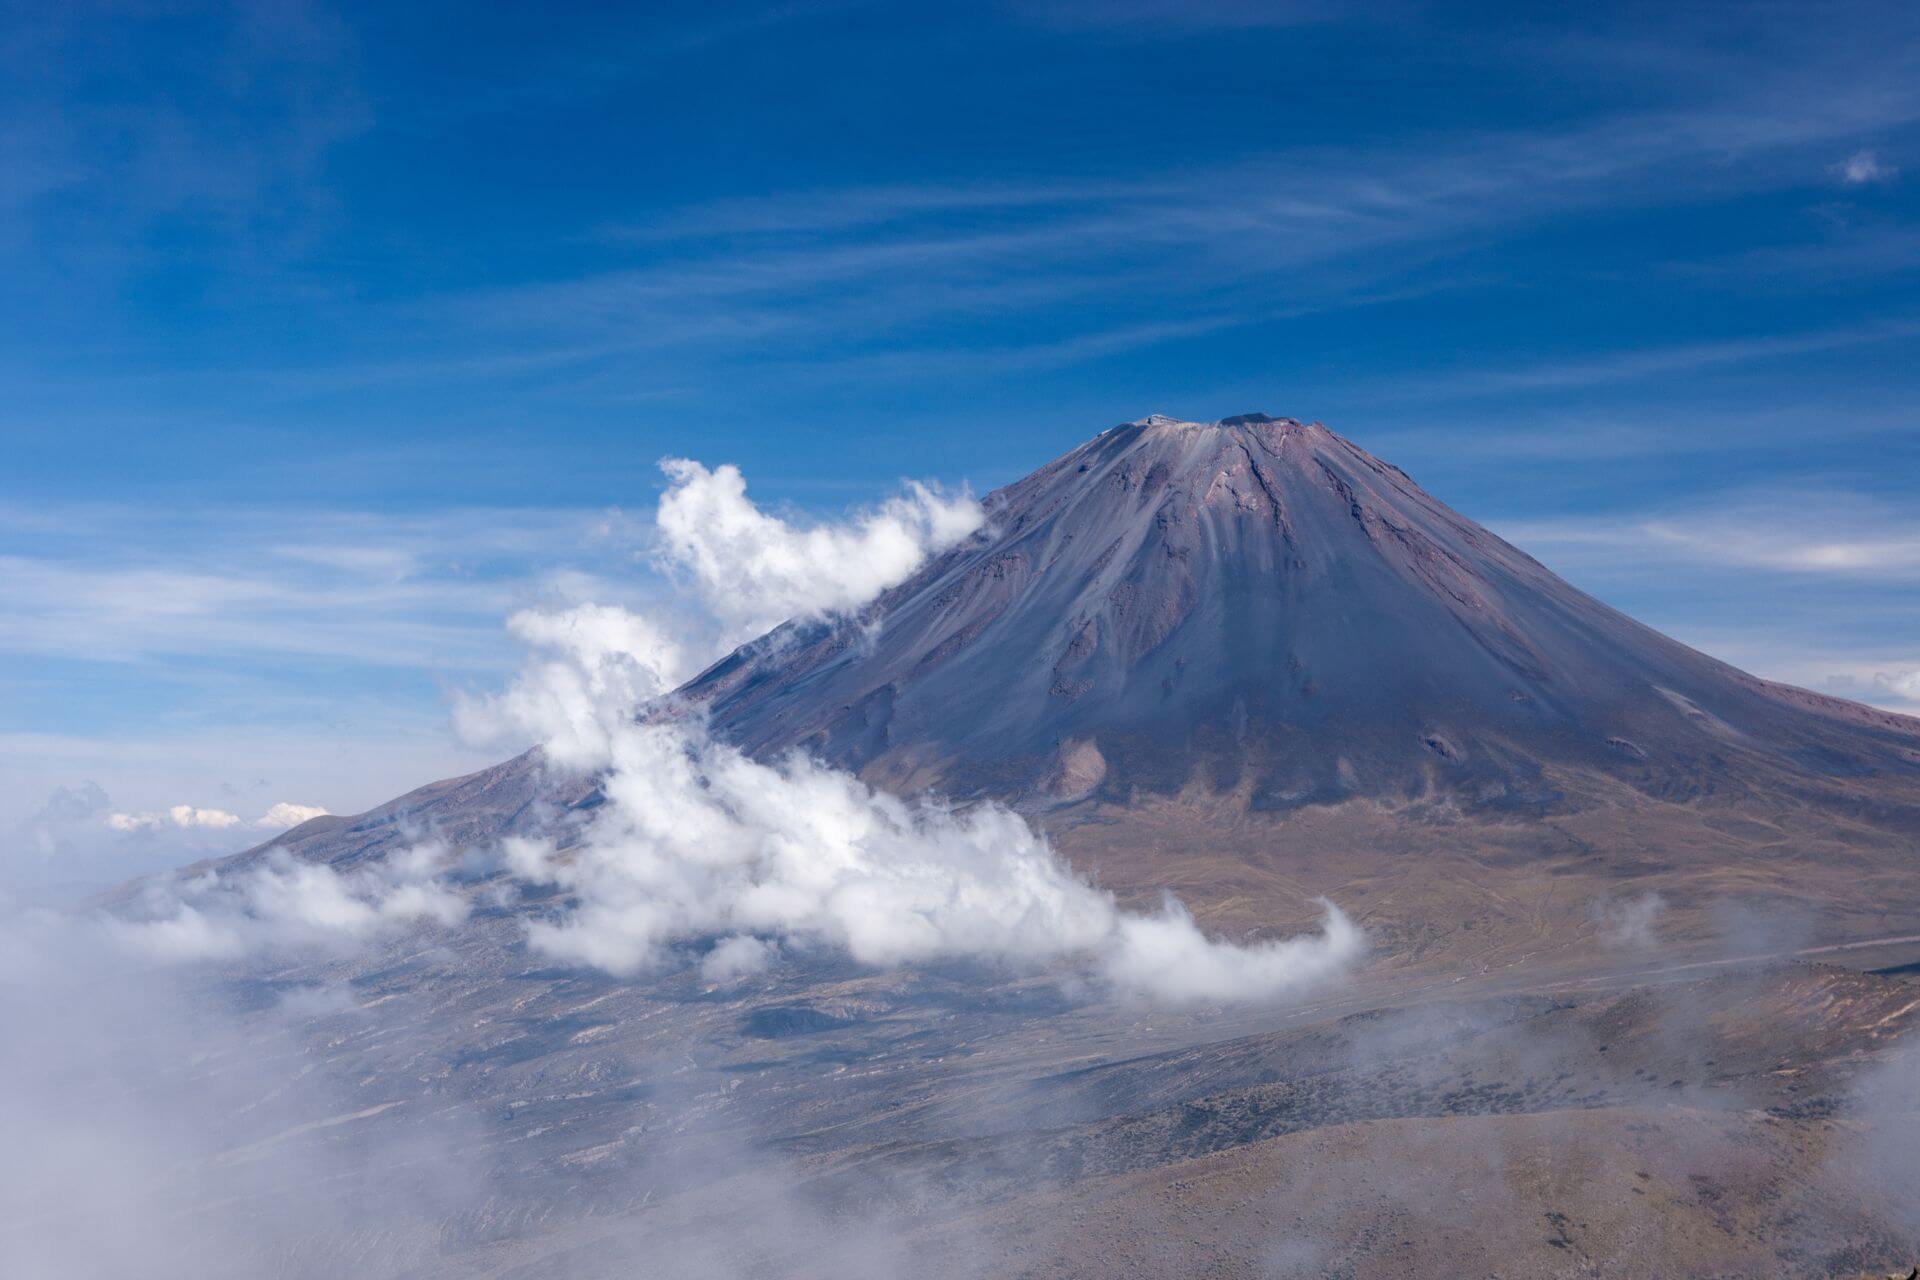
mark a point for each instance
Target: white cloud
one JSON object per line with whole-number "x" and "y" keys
{"x": 1784, "y": 547}
{"x": 1165, "y": 956}
{"x": 745, "y": 573}
{"x": 1898, "y": 687}
{"x": 186, "y": 817}
{"x": 613, "y": 661}
{"x": 1647, "y": 362}
{"x": 1795, "y": 585}
{"x": 754, "y": 571}
{"x": 291, "y": 624}
{"x": 1863, "y": 167}
{"x": 284, "y": 904}
{"x": 698, "y": 840}
{"x": 183, "y": 816}
{"x": 862, "y": 271}
{"x": 737, "y": 957}
{"x": 284, "y": 815}
{"x": 125, "y": 586}
{"x": 1818, "y": 534}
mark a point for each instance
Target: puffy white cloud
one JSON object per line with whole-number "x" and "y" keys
{"x": 755, "y": 571}
{"x": 745, "y": 573}
{"x": 1166, "y": 957}
{"x": 696, "y": 840}
{"x": 606, "y": 662}
{"x": 183, "y": 816}
{"x": 186, "y": 817}
{"x": 284, "y": 904}
{"x": 284, "y": 815}
{"x": 737, "y": 957}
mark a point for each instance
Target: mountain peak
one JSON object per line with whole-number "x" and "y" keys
{"x": 1254, "y": 602}
{"x": 1237, "y": 420}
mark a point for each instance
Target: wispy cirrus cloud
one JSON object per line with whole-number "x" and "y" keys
{"x": 847, "y": 278}
{"x": 1188, "y": 15}
{"x": 121, "y": 584}
{"x": 1644, "y": 427}
{"x": 1675, "y": 358}
{"x": 1814, "y": 534}
{"x": 1759, "y": 579}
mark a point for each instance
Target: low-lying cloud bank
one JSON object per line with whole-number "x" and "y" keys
{"x": 700, "y": 849}
{"x": 698, "y": 841}
{"x": 285, "y": 904}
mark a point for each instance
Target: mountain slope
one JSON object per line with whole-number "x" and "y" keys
{"x": 1260, "y": 602}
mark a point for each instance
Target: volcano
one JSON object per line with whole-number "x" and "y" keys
{"x": 1258, "y": 603}
{"x": 1249, "y": 662}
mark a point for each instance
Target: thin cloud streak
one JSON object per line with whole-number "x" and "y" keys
{"x": 1628, "y": 366}
{"x": 1643, "y": 428}
{"x": 1758, "y": 579}
{"x": 115, "y": 585}
{"x": 1159, "y": 16}
{"x": 845, "y": 275}
{"x": 1847, "y": 536}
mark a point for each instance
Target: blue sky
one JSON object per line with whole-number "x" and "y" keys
{"x": 337, "y": 333}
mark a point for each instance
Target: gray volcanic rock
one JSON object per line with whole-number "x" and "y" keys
{"x": 1258, "y": 602}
